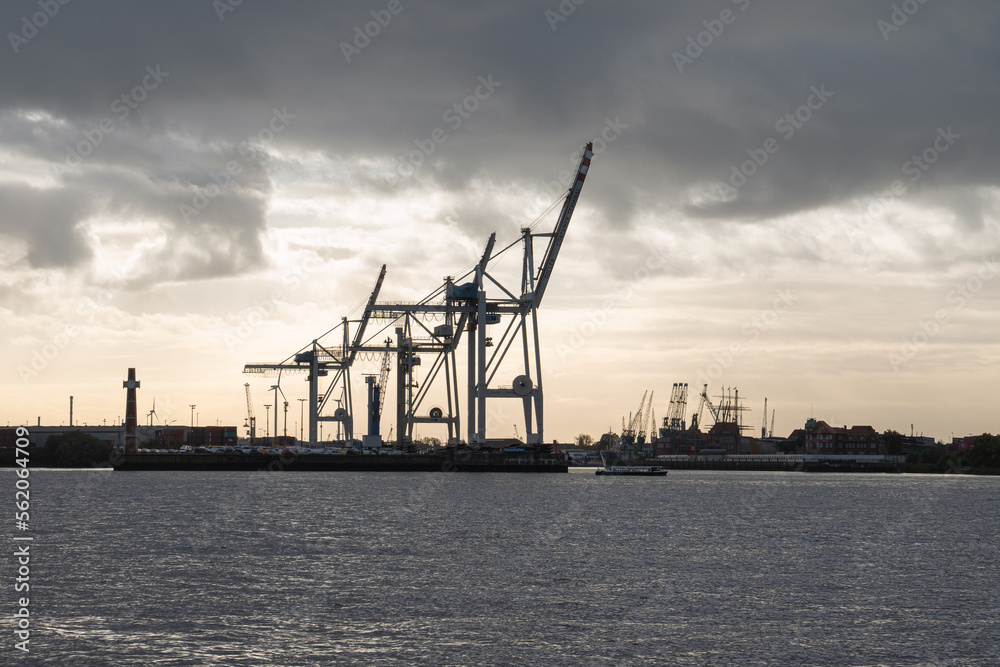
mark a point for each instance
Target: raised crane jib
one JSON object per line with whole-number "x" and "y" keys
{"x": 484, "y": 260}
{"x": 359, "y": 335}
{"x": 552, "y": 252}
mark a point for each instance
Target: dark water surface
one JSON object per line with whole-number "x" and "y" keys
{"x": 698, "y": 568}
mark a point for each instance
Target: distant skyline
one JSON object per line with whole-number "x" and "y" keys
{"x": 798, "y": 200}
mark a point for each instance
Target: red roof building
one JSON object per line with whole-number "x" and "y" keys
{"x": 818, "y": 437}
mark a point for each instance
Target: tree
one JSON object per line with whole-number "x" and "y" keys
{"x": 985, "y": 453}
{"x": 76, "y": 449}
{"x": 584, "y": 441}
{"x": 607, "y": 441}
{"x": 429, "y": 441}
{"x": 893, "y": 443}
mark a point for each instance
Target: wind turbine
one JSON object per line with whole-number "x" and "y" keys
{"x": 152, "y": 413}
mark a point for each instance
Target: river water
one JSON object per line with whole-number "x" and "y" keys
{"x": 697, "y": 568}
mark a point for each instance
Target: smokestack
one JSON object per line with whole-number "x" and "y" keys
{"x": 39, "y": 421}
{"x": 70, "y": 410}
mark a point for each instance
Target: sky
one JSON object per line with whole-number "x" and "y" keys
{"x": 798, "y": 200}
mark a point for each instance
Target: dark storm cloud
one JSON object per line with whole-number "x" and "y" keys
{"x": 868, "y": 99}
{"x": 46, "y": 221}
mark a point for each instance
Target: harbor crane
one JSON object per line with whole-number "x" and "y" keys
{"x": 705, "y": 400}
{"x": 632, "y": 432}
{"x": 644, "y": 420}
{"x": 251, "y": 420}
{"x": 317, "y": 360}
{"x": 376, "y": 395}
{"x": 674, "y": 421}
{"x": 470, "y": 303}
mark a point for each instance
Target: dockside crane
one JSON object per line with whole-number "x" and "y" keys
{"x": 674, "y": 421}
{"x": 317, "y": 360}
{"x": 644, "y": 421}
{"x": 464, "y": 307}
{"x": 711, "y": 407}
{"x": 251, "y": 420}
{"x": 696, "y": 417}
{"x": 383, "y": 375}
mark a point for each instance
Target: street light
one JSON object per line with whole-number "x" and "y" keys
{"x": 193, "y": 406}
{"x": 267, "y": 426}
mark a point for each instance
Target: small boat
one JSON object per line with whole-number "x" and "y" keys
{"x": 642, "y": 471}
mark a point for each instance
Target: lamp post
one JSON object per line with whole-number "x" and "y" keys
{"x": 193, "y": 406}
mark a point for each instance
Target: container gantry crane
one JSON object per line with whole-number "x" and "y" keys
{"x": 318, "y": 360}
{"x": 465, "y": 307}
{"x": 468, "y": 308}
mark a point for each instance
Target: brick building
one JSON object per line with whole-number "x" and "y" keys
{"x": 818, "y": 437}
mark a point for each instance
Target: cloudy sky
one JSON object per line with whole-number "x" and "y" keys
{"x": 796, "y": 199}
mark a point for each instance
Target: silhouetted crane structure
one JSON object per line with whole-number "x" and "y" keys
{"x": 469, "y": 303}
{"x": 705, "y": 400}
{"x": 317, "y": 360}
{"x": 674, "y": 421}
{"x": 644, "y": 421}
{"x": 251, "y": 423}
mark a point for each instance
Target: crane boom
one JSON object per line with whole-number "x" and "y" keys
{"x": 363, "y": 324}
{"x": 633, "y": 422}
{"x": 383, "y": 375}
{"x": 644, "y": 420}
{"x": 559, "y": 233}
